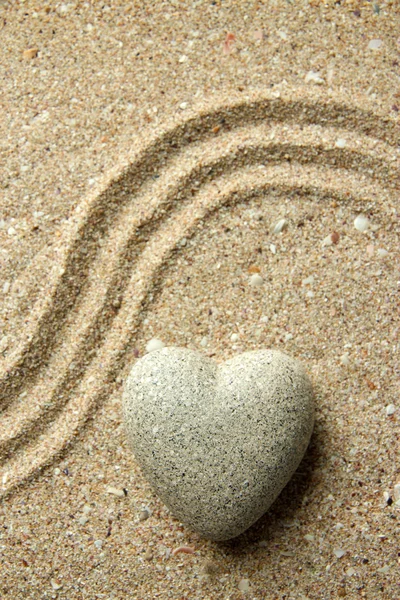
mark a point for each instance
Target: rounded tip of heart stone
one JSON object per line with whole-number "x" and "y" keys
{"x": 218, "y": 442}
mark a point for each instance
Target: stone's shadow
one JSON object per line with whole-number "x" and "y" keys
{"x": 288, "y": 503}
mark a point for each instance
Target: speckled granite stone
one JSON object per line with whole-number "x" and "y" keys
{"x": 218, "y": 442}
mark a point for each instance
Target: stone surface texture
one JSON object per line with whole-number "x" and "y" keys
{"x": 218, "y": 442}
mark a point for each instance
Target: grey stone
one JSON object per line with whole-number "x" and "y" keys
{"x": 218, "y": 442}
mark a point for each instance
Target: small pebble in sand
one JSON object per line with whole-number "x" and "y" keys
{"x": 361, "y": 223}
{"x": 154, "y": 344}
{"x": 244, "y": 585}
{"x": 144, "y": 514}
{"x": 390, "y": 410}
{"x": 234, "y": 337}
{"x": 340, "y": 143}
{"x": 6, "y": 287}
{"x": 344, "y": 359}
{"x": 375, "y": 44}
{"x": 338, "y": 552}
{"x": 229, "y": 43}
{"x": 259, "y": 35}
{"x": 387, "y": 498}
{"x": 253, "y": 269}
{"x": 256, "y": 280}
{"x": 115, "y": 492}
{"x": 30, "y": 53}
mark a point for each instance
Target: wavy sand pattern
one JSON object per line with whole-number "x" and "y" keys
{"x": 84, "y": 323}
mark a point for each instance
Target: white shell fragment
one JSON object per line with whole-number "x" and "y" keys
{"x": 361, "y": 223}
{"x": 396, "y": 491}
{"x": 4, "y": 343}
{"x": 115, "y": 492}
{"x": 314, "y": 77}
{"x": 384, "y": 569}
{"x": 55, "y": 585}
{"x": 256, "y": 280}
{"x": 327, "y": 241}
{"x": 154, "y": 344}
{"x": 381, "y": 252}
{"x": 308, "y": 281}
{"x": 375, "y": 44}
{"x": 280, "y": 226}
{"x": 344, "y": 359}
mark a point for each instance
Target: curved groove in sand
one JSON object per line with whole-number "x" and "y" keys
{"x": 86, "y": 307}
{"x": 245, "y": 154}
{"x": 80, "y": 238}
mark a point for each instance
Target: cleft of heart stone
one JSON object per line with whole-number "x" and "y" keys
{"x": 218, "y": 442}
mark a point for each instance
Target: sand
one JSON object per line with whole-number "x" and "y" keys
{"x": 147, "y": 153}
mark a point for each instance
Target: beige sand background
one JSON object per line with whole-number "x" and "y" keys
{"x": 147, "y": 151}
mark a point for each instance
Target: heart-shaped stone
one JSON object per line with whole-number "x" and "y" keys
{"x": 218, "y": 442}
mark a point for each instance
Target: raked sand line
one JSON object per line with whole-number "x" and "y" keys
{"x": 113, "y": 252}
{"x": 93, "y": 217}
